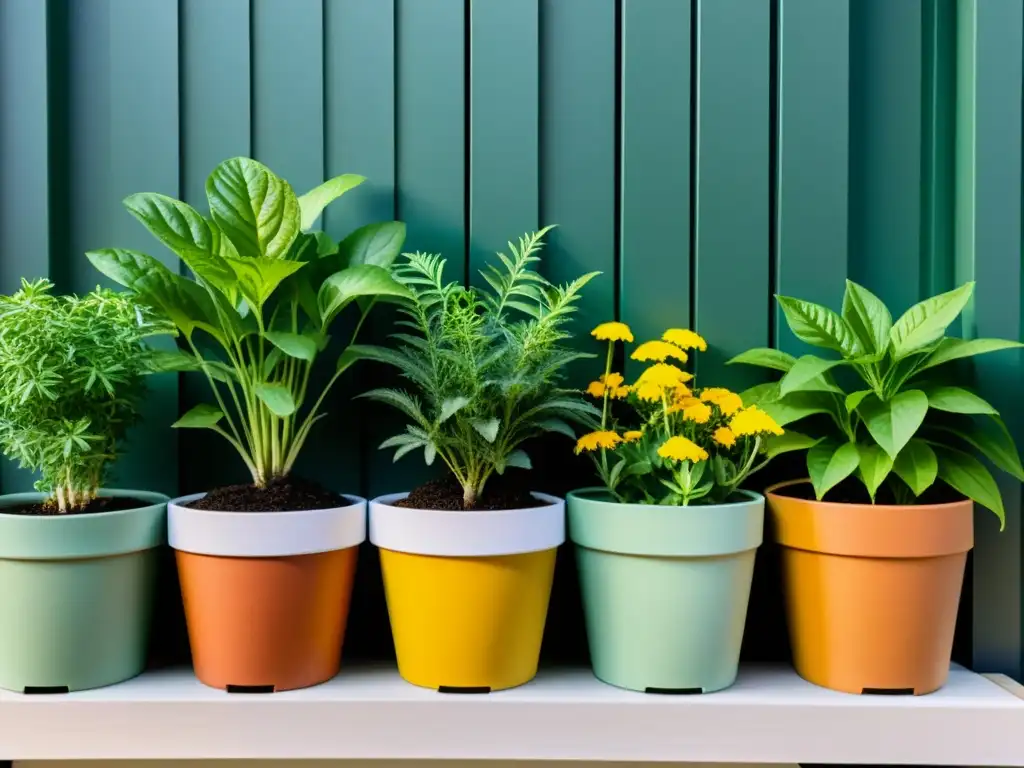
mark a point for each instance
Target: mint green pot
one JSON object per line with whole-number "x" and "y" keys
{"x": 665, "y": 589}
{"x": 76, "y": 593}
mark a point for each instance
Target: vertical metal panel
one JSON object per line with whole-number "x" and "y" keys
{"x": 431, "y": 122}
{"x": 577, "y": 145}
{"x": 813, "y": 155}
{"x": 215, "y": 125}
{"x": 124, "y": 114}
{"x": 732, "y": 239}
{"x": 655, "y": 182}
{"x": 885, "y": 149}
{"x": 988, "y": 235}
{"x": 503, "y": 104}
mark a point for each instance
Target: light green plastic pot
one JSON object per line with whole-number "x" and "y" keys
{"x": 665, "y": 589}
{"x": 76, "y": 593}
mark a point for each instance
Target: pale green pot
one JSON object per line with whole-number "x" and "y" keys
{"x": 76, "y": 593}
{"x": 665, "y": 589}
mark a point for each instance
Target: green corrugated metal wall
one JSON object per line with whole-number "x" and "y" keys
{"x": 701, "y": 153}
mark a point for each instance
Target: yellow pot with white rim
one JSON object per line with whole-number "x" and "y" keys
{"x": 467, "y": 591}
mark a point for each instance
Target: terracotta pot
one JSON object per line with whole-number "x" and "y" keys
{"x": 266, "y": 594}
{"x": 872, "y": 591}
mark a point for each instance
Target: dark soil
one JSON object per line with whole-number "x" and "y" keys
{"x": 446, "y": 494}
{"x": 104, "y": 504}
{"x": 852, "y": 491}
{"x": 289, "y": 494}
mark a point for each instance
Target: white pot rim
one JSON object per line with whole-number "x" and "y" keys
{"x": 265, "y": 534}
{"x": 461, "y": 533}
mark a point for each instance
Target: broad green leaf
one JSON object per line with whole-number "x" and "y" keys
{"x": 341, "y": 288}
{"x": 277, "y": 397}
{"x": 199, "y": 417}
{"x": 313, "y": 202}
{"x": 765, "y": 358}
{"x": 450, "y": 407}
{"x": 557, "y": 425}
{"x": 518, "y": 458}
{"x": 293, "y": 344}
{"x": 955, "y": 349}
{"x": 325, "y": 245}
{"x": 925, "y": 322}
{"x": 893, "y": 423}
{"x": 805, "y": 369}
{"x": 867, "y": 316}
{"x": 957, "y": 400}
{"x": 854, "y": 399}
{"x": 488, "y": 428}
{"x": 761, "y": 393}
{"x": 995, "y": 444}
{"x": 829, "y": 465}
{"x": 174, "y": 361}
{"x": 788, "y": 441}
{"x": 378, "y": 244}
{"x": 917, "y": 466}
{"x": 798, "y": 405}
{"x": 820, "y": 326}
{"x": 214, "y": 271}
{"x": 875, "y": 466}
{"x": 255, "y": 208}
{"x": 966, "y": 474}
{"x": 177, "y": 225}
{"x": 259, "y": 278}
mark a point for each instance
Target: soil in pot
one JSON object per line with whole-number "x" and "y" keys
{"x": 446, "y": 494}
{"x": 288, "y": 494}
{"x": 101, "y": 504}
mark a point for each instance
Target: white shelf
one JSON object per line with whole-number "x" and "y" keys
{"x": 769, "y": 716}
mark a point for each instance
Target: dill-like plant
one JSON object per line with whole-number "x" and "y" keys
{"x": 484, "y": 365}
{"x": 71, "y": 381}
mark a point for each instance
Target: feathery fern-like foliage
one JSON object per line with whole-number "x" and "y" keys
{"x": 483, "y": 366}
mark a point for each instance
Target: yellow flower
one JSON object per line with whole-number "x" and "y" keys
{"x": 728, "y": 402}
{"x": 664, "y": 375}
{"x": 611, "y": 379}
{"x": 618, "y": 393}
{"x": 658, "y": 350}
{"x": 632, "y": 436}
{"x": 595, "y": 389}
{"x": 753, "y": 421}
{"x": 724, "y": 436}
{"x": 685, "y": 338}
{"x": 595, "y": 440}
{"x": 682, "y": 449}
{"x": 612, "y": 332}
{"x": 698, "y": 412}
{"x": 646, "y": 390}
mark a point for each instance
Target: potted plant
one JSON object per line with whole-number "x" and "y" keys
{"x": 468, "y": 560}
{"x": 666, "y": 545}
{"x": 874, "y": 544}
{"x": 266, "y": 568}
{"x": 77, "y": 561}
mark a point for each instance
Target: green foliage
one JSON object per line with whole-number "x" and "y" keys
{"x": 484, "y": 365}
{"x": 71, "y": 381}
{"x": 263, "y": 293}
{"x": 910, "y": 421}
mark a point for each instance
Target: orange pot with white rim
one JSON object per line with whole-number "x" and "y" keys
{"x": 266, "y": 594}
{"x": 872, "y": 590}
{"x": 467, "y": 591}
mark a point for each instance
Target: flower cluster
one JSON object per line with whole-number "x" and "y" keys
{"x": 682, "y": 444}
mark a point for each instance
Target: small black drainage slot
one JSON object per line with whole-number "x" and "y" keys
{"x": 888, "y": 691}
{"x": 250, "y": 689}
{"x": 674, "y": 691}
{"x": 464, "y": 689}
{"x": 46, "y": 689}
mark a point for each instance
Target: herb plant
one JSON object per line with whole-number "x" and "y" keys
{"x": 911, "y": 418}
{"x": 260, "y": 303}
{"x": 680, "y": 445}
{"x": 485, "y": 364}
{"x": 71, "y": 382}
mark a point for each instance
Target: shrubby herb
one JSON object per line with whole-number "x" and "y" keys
{"x": 71, "y": 381}
{"x": 260, "y": 303}
{"x": 485, "y": 365}
{"x": 680, "y": 444}
{"x": 911, "y": 420}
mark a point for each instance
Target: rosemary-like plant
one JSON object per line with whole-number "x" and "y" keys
{"x": 486, "y": 365}
{"x": 71, "y": 381}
